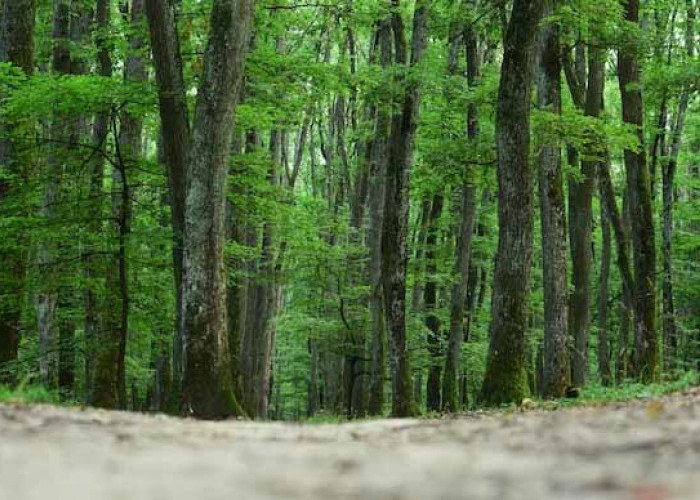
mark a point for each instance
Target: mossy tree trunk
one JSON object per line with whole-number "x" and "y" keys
{"x": 208, "y": 387}
{"x": 505, "y": 380}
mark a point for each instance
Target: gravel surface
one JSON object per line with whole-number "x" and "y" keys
{"x": 643, "y": 450}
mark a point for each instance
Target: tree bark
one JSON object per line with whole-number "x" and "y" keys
{"x": 105, "y": 388}
{"x": 641, "y": 206}
{"x": 603, "y": 341}
{"x": 175, "y": 133}
{"x": 207, "y": 382}
{"x": 553, "y": 215}
{"x": 465, "y": 234}
{"x": 505, "y": 380}
{"x": 377, "y": 172}
{"x": 432, "y": 321}
{"x": 670, "y": 331}
{"x": 396, "y": 208}
{"x": 17, "y": 48}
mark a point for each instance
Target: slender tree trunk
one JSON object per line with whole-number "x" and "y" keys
{"x": 671, "y": 341}
{"x": 17, "y": 48}
{"x": 376, "y": 216}
{"x": 175, "y": 134}
{"x": 129, "y": 146}
{"x": 46, "y": 297}
{"x": 639, "y": 189}
{"x": 207, "y": 382}
{"x": 603, "y": 341}
{"x": 506, "y": 370}
{"x": 106, "y": 389}
{"x": 432, "y": 321}
{"x": 396, "y": 209}
{"x": 465, "y": 234}
{"x": 553, "y": 215}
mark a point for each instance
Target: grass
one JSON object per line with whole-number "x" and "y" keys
{"x": 28, "y": 394}
{"x": 597, "y": 394}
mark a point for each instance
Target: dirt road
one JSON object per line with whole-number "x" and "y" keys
{"x": 645, "y": 450}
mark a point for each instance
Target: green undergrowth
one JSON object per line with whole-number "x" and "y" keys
{"x": 597, "y": 394}
{"x": 29, "y": 394}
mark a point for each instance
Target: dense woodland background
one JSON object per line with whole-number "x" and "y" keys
{"x": 347, "y": 207}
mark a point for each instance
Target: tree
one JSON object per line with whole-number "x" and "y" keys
{"x": 465, "y": 233}
{"x": 396, "y": 208}
{"x": 553, "y": 215}
{"x": 17, "y": 48}
{"x": 640, "y": 199}
{"x": 506, "y": 379}
{"x": 207, "y": 382}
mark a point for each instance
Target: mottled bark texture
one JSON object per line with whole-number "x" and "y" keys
{"x": 641, "y": 205}
{"x": 207, "y": 382}
{"x": 505, "y": 380}
{"x": 555, "y": 373}
{"x": 17, "y": 48}
{"x": 396, "y": 207}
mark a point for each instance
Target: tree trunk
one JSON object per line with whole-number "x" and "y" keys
{"x": 377, "y": 174}
{"x": 207, "y": 382}
{"x": 432, "y": 322}
{"x": 641, "y": 206}
{"x": 129, "y": 146}
{"x": 505, "y": 380}
{"x": 175, "y": 133}
{"x": 17, "y": 48}
{"x": 671, "y": 342}
{"x": 465, "y": 234}
{"x": 396, "y": 210}
{"x": 603, "y": 341}
{"x": 105, "y": 388}
{"x": 555, "y": 372}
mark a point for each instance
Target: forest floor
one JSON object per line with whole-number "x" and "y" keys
{"x": 642, "y": 450}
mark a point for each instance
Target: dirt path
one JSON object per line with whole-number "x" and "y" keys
{"x": 646, "y": 450}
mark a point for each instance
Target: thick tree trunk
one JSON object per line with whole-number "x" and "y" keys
{"x": 396, "y": 210}
{"x": 641, "y": 206}
{"x": 505, "y": 380}
{"x": 207, "y": 382}
{"x": 555, "y": 373}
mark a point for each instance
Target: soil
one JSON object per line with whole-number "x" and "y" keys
{"x": 640, "y": 450}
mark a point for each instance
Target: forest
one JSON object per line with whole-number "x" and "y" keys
{"x": 289, "y": 210}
